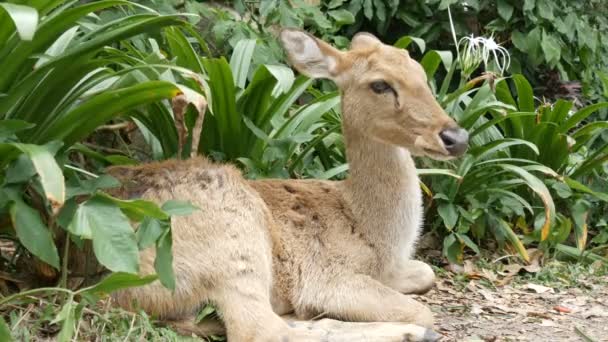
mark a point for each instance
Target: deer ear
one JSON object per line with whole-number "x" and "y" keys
{"x": 364, "y": 40}
{"x": 309, "y": 55}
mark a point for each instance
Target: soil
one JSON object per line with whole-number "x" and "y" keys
{"x": 519, "y": 311}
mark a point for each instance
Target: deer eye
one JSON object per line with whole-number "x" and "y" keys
{"x": 380, "y": 87}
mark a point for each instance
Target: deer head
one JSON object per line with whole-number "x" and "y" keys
{"x": 385, "y": 94}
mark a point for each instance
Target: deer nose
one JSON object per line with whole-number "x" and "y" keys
{"x": 455, "y": 140}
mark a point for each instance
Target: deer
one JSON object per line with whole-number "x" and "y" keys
{"x": 305, "y": 259}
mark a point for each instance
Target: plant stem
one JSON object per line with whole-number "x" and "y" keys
{"x": 64, "y": 263}
{"x": 30, "y": 292}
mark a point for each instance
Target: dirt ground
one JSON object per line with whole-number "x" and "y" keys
{"x": 485, "y": 306}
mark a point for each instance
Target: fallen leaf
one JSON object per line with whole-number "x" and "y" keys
{"x": 562, "y": 309}
{"x": 548, "y": 323}
{"x": 476, "y": 309}
{"x": 596, "y": 311}
{"x": 538, "y": 288}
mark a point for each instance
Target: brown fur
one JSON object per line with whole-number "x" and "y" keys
{"x": 265, "y": 248}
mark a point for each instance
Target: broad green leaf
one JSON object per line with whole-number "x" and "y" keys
{"x": 5, "y": 331}
{"x": 449, "y": 214}
{"x": 118, "y": 281}
{"x": 505, "y": 9}
{"x": 342, "y": 17}
{"x": 241, "y": 60}
{"x": 148, "y": 232}
{"x": 113, "y": 237}
{"x": 25, "y": 19}
{"x": 205, "y": 312}
{"x": 79, "y": 122}
{"x": 329, "y": 174}
{"x": 580, "y": 213}
{"x": 500, "y": 145}
{"x": 405, "y": 41}
{"x": 452, "y": 249}
{"x": 541, "y": 190}
{"x": 431, "y": 60}
{"x": 179, "y": 208}
{"x": 163, "y": 264}
{"x": 574, "y": 184}
{"x": 422, "y": 172}
{"x": 67, "y": 316}
{"x": 576, "y": 253}
{"x": 9, "y": 127}
{"x": 59, "y": 46}
{"x": 551, "y": 48}
{"x": 581, "y": 115}
{"x": 284, "y": 76}
{"x": 90, "y": 186}
{"x": 468, "y": 242}
{"x": 33, "y": 233}
{"x": 513, "y": 239}
{"x": 50, "y": 174}
{"x": 137, "y": 209}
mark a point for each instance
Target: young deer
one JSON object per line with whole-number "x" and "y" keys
{"x": 337, "y": 249}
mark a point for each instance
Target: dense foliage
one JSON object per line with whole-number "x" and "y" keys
{"x": 86, "y": 85}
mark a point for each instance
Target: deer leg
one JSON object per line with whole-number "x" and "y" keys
{"x": 412, "y": 277}
{"x": 359, "y": 298}
{"x": 337, "y": 331}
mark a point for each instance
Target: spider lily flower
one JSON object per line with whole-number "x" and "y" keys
{"x": 475, "y": 50}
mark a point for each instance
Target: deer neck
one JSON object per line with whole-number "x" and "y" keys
{"x": 385, "y": 194}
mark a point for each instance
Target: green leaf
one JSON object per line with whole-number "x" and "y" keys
{"x": 137, "y": 209}
{"x": 505, "y": 9}
{"x": 163, "y": 264}
{"x": 580, "y": 213}
{"x": 148, "y": 232}
{"x": 33, "y": 233}
{"x": 581, "y": 115}
{"x": 342, "y": 17}
{"x": 90, "y": 186}
{"x": 405, "y": 41}
{"x": 80, "y": 121}
{"x": 241, "y": 60}
{"x": 551, "y": 48}
{"x": 486, "y": 150}
{"x": 541, "y": 190}
{"x": 50, "y": 174}
{"x": 113, "y": 238}
{"x": 431, "y": 60}
{"x": 118, "y": 281}
{"x": 450, "y": 173}
{"x": 452, "y": 249}
{"x": 5, "y": 331}
{"x": 368, "y": 9}
{"x": 179, "y": 208}
{"x": 205, "y": 312}
{"x": 576, "y": 185}
{"x": 449, "y": 214}
{"x": 25, "y": 19}
{"x": 67, "y": 316}
{"x": 468, "y": 242}
{"x": 513, "y": 239}
{"x": 9, "y": 127}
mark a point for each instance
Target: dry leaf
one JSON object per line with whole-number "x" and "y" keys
{"x": 596, "y": 311}
{"x": 562, "y": 309}
{"x": 538, "y": 288}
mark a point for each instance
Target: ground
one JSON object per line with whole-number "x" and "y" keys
{"x": 558, "y": 302}
{"x": 485, "y": 299}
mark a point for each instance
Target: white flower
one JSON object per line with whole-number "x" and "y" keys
{"x": 480, "y": 49}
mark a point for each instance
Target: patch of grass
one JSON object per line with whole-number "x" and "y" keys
{"x": 33, "y": 319}
{"x": 563, "y": 275}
